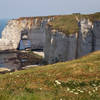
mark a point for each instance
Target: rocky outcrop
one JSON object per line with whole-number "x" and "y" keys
{"x": 57, "y": 45}
{"x": 85, "y": 38}
{"x": 96, "y": 35}
{"x": 10, "y": 36}
{"x": 33, "y": 29}
{"x": 61, "y": 47}
{"x": 16, "y": 60}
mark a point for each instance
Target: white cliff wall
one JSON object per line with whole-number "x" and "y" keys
{"x": 85, "y": 39}
{"x": 37, "y": 35}
{"x": 11, "y": 34}
{"x": 89, "y": 37}
{"x": 96, "y": 34}
{"x": 59, "y": 47}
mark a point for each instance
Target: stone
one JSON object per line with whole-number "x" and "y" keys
{"x": 59, "y": 47}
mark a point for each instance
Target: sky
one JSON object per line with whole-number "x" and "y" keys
{"x": 26, "y": 8}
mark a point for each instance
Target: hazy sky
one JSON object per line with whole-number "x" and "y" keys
{"x": 18, "y": 8}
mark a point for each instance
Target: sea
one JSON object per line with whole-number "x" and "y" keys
{"x": 3, "y": 23}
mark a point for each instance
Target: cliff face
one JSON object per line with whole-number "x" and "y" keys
{"x": 57, "y": 45}
{"x": 85, "y": 38}
{"x": 10, "y": 36}
{"x": 96, "y": 34}
{"x": 15, "y": 30}
{"x": 61, "y": 47}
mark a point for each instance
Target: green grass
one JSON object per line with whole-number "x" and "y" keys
{"x": 74, "y": 80}
{"x": 68, "y": 23}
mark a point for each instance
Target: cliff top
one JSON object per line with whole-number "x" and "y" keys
{"x": 54, "y": 81}
{"x": 33, "y": 18}
{"x": 68, "y": 24}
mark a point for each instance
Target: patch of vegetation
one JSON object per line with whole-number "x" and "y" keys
{"x": 74, "y": 80}
{"x": 68, "y": 23}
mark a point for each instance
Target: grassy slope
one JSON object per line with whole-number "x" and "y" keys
{"x": 68, "y": 23}
{"x": 73, "y": 80}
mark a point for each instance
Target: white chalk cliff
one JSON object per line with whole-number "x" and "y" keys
{"x": 12, "y": 33}
{"x": 10, "y": 36}
{"x": 61, "y": 47}
{"x": 57, "y": 46}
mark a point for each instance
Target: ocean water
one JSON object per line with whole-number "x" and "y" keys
{"x": 3, "y": 23}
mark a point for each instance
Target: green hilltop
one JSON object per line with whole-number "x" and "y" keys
{"x": 68, "y": 23}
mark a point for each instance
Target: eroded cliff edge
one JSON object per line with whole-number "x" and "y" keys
{"x": 62, "y": 38}
{"x": 63, "y": 45}
{"x": 26, "y": 28}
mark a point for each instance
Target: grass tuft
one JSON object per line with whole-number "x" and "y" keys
{"x": 68, "y": 23}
